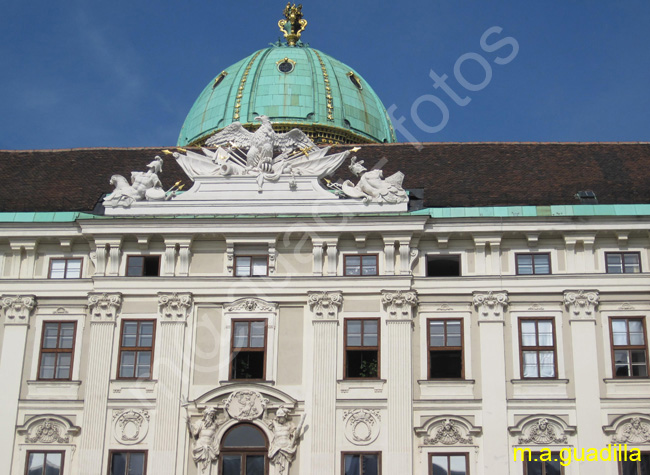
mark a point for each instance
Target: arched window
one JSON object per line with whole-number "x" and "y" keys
{"x": 244, "y": 450}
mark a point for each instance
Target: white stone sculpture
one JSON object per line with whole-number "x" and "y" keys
{"x": 262, "y": 143}
{"x": 144, "y": 186}
{"x": 373, "y": 187}
{"x": 130, "y": 426}
{"x": 362, "y": 426}
{"x": 286, "y": 436}
{"x": 245, "y": 405}
{"x": 543, "y": 432}
{"x": 205, "y": 450}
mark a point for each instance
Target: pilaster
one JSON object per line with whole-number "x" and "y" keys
{"x": 16, "y": 312}
{"x": 325, "y": 307}
{"x": 174, "y": 309}
{"x": 491, "y": 308}
{"x": 103, "y": 309}
{"x": 332, "y": 257}
{"x": 400, "y": 307}
{"x": 24, "y": 256}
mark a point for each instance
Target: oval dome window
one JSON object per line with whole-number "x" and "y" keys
{"x": 285, "y": 66}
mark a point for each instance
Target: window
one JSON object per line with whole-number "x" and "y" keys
{"x": 128, "y": 462}
{"x": 537, "y": 344}
{"x": 363, "y": 463}
{"x": 363, "y": 264}
{"x": 143, "y": 266}
{"x": 630, "y": 356}
{"x": 251, "y": 266}
{"x": 362, "y": 348}
{"x": 248, "y": 349}
{"x": 637, "y": 467}
{"x": 244, "y": 450}
{"x": 448, "y": 464}
{"x": 533, "y": 264}
{"x": 136, "y": 349}
{"x": 445, "y": 348}
{"x": 443, "y": 266}
{"x": 44, "y": 463}
{"x": 623, "y": 262}
{"x": 534, "y": 465}
{"x": 65, "y": 268}
{"x": 57, "y": 350}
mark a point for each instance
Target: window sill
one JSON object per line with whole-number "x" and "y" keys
{"x": 361, "y": 387}
{"x": 53, "y": 389}
{"x": 627, "y": 387}
{"x": 132, "y": 388}
{"x": 446, "y": 388}
{"x": 536, "y": 388}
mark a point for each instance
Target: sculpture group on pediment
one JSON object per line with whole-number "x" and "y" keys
{"x": 144, "y": 186}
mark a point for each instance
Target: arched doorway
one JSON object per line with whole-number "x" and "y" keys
{"x": 244, "y": 451}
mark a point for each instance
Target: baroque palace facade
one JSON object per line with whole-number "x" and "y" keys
{"x": 294, "y": 312}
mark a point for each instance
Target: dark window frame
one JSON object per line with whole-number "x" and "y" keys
{"x": 248, "y": 348}
{"x": 65, "y": 271}
{"x": 136, "y": 349}
{"x": 446, "y": 348}
{"x": 62, "y": 452}
{"x": 128, "y": 452}
{"x": 361, "y": 256}
{"x": 142, "y": 256}
{"x": 533, "y": 254}
{"x": 537, "y": 348}
{"x": 361, "y": 454}
{"x": 638, "y": 463}
{"x": 347, "y": 348}
{"x": 554, "y": 455}
{"x": 56, "y": 350}
{"x": 449, "y": 454}
{"x": 244, "y": 450}
{"x": 628, "y": 347}
{"x": 623, "y": 254}
{"x": 251, "y": 257}
{"x": 431, "y": 257}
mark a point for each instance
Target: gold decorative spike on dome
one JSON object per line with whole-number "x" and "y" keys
{"x": 293, "y": 24}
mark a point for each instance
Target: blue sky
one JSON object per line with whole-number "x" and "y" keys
{"x": 84, "y": 73}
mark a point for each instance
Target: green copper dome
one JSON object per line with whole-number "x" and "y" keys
{"x": 296, "y": 86}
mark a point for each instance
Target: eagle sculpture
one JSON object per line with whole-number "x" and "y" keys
{"x": 261, "y": 144}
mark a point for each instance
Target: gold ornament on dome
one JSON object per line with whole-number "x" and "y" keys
{"x": 293, "y": 24}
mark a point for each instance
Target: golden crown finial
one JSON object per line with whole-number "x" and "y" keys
{"x": 293, "y": 24}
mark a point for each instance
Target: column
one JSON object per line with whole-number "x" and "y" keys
{"x": 174, "y": 310}
{"x": 16, "y": 310}
{"x": 581, "y": 305}
{"x": 491, "y": 307}
{"x": 399, "y": 374}
{"x": 325, "y": 308}
{"x": 103, "y": 310}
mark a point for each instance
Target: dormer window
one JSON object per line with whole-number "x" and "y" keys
{"x": 355, "y": 80}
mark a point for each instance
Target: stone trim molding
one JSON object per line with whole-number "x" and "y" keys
{"x": 399, "y": 304}
{"x": 491, "y": 305}
{"x": 541, "y": 429}
{"x": 448, "y": 430}
{"x": 174, "y": 307}
{"x": 630, "y": 429}
{"x": 104, "y": 307}
{"x": 325, "y": 305}
{"x": 17, "y": 308}
{"x": 581, "y": 304}
{"x": 48, "y": 429}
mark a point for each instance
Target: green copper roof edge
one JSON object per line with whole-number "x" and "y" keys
{"x": 479, "y": 212}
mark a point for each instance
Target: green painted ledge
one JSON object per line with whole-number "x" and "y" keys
{"x": 481, "y": 212}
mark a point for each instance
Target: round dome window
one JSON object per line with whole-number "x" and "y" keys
{"x": 286, "y": 65}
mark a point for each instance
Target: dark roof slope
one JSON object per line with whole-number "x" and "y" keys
{"x": 452, "y": 174}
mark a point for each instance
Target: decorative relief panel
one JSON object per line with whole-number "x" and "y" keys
{"x": 131, "y": 426}
{"x": 448, "y": 430}
{"x": 399, "y": 304}
{"x": 251, "y": 305}
{"x": 174, "y": 307}
{"x": 631, "y": 429}
{"x": 362, "y": 426}
{"x": 245, "y": 405}
{"x": 536, "y": 430}
{"x": 326, "y": 304}
{"x": 48, "y": 429}
{"x": 17, "y": 308}
{"x": 581, "y": 304}
{"x": 491, "y": 305}
{"x": 104, "y": 307}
